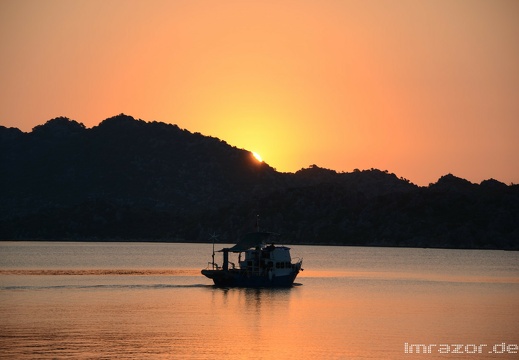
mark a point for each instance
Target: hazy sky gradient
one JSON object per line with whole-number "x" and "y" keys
{"x": 420, "y": 88}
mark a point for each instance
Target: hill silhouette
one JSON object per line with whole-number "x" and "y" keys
{"x": 128, "y": 179}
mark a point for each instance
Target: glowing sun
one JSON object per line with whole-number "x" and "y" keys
{"x": 257, "y": 156}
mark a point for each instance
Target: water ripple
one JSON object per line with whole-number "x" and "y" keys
{"x": 105, "y": 286}
{"x": 79, "y": 272}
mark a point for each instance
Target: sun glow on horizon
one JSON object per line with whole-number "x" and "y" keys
{"x": 257, "y": 156}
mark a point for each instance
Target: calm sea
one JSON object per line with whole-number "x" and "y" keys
{"x": 149, "y": 301}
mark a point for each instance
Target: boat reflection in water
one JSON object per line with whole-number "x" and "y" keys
{"x": 263, "y": 265}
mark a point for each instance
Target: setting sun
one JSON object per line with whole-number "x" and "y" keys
{"x": 257, "y": 156}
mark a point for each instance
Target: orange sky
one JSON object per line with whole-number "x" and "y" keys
{"x": 419, "y": 88}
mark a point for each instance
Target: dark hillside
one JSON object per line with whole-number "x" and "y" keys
{"x": 128, "y": 179}
{"x": 124, "y": 161}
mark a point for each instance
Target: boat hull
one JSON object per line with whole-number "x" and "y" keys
{"x": 239, "y": 278}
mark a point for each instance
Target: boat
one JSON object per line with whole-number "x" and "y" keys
{"x": 261, "y": 264}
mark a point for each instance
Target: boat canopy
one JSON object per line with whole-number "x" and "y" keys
{"x": 251, "y": 240}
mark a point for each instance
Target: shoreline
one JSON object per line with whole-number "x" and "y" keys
{"x": 183, "y": 241}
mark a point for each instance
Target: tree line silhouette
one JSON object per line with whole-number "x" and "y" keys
{"x": 127, "y": 179}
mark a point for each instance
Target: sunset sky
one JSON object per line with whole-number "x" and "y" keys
{"x": 421, "y": 88}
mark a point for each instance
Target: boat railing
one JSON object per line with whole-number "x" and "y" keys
{"x": 297, "y": 260}
{"x": 298, "y": 264}
{"x": 212, "y": 265}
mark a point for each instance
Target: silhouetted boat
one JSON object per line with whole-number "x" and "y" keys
{"x": 262, "y": 266}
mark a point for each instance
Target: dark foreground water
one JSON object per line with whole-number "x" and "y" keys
{"x": 149, "y": 301}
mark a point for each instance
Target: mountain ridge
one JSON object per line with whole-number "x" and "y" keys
{"x": 130, "y": 179}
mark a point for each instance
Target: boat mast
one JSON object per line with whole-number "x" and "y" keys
{"x": 213, "y": 236}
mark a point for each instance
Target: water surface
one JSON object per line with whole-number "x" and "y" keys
{"x": 141, "y": 300}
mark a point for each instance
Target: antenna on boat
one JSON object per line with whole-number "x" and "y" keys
{"x": 257, "y": 223}
{"x": 213, "y": 237}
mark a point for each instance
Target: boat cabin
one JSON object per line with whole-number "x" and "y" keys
{"x": 266, "y": 258}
